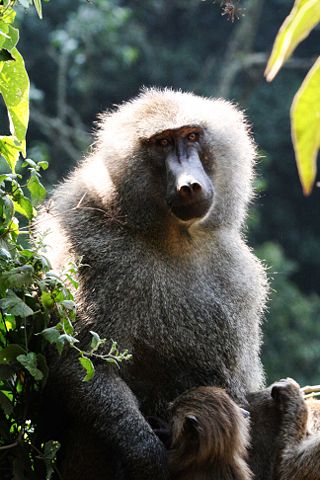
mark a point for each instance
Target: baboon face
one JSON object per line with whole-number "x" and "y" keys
{"x": 189, "y": 189}
{"x": 174, "y": 155}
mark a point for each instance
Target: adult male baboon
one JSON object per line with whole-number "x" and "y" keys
{"x": 156, "y": 213}
{"x": 285, "y": 433}
{"x": 209, "y": 437}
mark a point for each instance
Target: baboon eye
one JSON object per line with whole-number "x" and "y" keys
{"x": 193, "y": 137}
{"x": 163, "y": 142}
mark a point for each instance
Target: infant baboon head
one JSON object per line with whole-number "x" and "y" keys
{"x": 208, "y": 427}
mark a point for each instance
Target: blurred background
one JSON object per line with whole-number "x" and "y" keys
{"x": 85, "y": 56}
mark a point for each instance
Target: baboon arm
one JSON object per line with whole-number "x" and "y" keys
{"x": 300, "y": 452}
{"x": 110, "y": 411}
{"x": 302, "y": 461}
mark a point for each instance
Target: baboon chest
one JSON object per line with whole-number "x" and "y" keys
{"x": 176, "y": 319}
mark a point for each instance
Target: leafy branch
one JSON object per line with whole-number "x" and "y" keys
{"x": 37, "y": 306}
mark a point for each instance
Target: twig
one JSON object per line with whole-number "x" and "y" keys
{"x": 10, "y": 445}
{"x": 310, "y": 389}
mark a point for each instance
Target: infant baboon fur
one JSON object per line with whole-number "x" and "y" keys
{"x": 210, "y": 436}
{"x": 155, "y": 212}
{"x": 285, "y": 434}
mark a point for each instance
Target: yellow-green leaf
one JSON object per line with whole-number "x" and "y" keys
{"x": 38, "y": 6}
{"x": 14, "y": 87}
{"x": 89, "y": 368}
{"x": 7, "y": 14}
{"x": 304, "y": 16}
{"x": 10, "y": 149}
{"x": 305, "y": 127}
{"x": 9, "y": 36}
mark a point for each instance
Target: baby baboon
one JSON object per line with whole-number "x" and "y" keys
{"x": 210, "y": 437}
{"x": 285, "y": 434}
{"x": 156, "y": 212}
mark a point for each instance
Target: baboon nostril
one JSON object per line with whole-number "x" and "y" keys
{"x": 185, "y": 191}
{"x": 196, "y": 187}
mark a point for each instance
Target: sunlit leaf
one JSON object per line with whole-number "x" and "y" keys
{"x": 23, "y": 206}
{"x": 304, "y": 16}
{"x": 38, "y": 6}
{"x": 305, "y": 127}
{"x": 10, "y": 149}
{"x": 9, "y": 36}
{"x": 88, "y": 366}
{"x": 14, "y": 87}
{"x": 37, "y": 190}
{"x": 7, "y": 14}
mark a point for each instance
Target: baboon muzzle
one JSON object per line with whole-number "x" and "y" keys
{"x": 189, "y": 188}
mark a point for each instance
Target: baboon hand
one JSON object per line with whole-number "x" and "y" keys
{"x": 286, "y": 391}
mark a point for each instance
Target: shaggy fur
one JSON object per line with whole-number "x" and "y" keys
{"x": 186, "y": 299}
{"x": 285, "y": 434}
{"x": 210, "y": 437}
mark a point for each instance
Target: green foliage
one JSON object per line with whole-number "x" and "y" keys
{"x": 305, "y": 111}
{"x": 37, "y": 306}
{"x": 305, "y": 120}
{"x": 292, "y": 328}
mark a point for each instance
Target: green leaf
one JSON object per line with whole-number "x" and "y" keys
{"x": 23, "y": 206}
{"x": 14, "y": 87}
{"x": 6, "y": 210}
{"x": 5, "y": 254}
{"x": 305, "y": 127}
{"x": 68, "y": 339}
{"x": 10, "y": 149}
{"x": 304, "y": 16}
{"x": 7, "y": 15}
{"x": 51, "y": 334}
{"x": 96, "y": 341}
{"x": 68, "y": 304}
{"x": 29, "y": 361}
{"x": 6, "y": 176}
{"x": 10, "y": 353}
{"x": 38, "y": 6}
{"x": 36, "y": 189}
{"x": 68, "y": 327}
{"x": 43, "y": 164}
{"x": 9, "y": 36}
{"x": 13, "y": 305}
{"x": 88, "y": 366}
{"x": 63, "y": 340}
{"x": 50, "y": 453}
{"x": 17, "y": 277}
{"x": 47, "y": 300}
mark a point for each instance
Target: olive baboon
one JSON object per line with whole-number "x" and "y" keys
{"x": 156, "y": 212}
{"x": 210, "y": 436}
{"x": 285, "y": 440}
